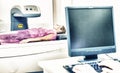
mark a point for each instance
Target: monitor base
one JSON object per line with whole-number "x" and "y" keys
{"x": 90, "y": 57}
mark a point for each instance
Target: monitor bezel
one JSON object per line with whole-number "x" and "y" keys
{"x": 91, "y": 53}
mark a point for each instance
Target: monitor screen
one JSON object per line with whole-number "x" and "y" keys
{"x": 90, "y": 31}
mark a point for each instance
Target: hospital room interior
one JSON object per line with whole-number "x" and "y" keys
{"x": 52, "y": 36}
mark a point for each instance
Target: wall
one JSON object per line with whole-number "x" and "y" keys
{"x": 59, "y": 13}
{"x": 46, "y": 8}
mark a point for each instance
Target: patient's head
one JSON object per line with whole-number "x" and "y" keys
{"x": 59, "y": 28}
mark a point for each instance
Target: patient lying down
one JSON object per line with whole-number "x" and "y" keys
{"x": 28, "y": 35}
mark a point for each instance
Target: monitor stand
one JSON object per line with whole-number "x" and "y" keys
{"x": 90, "y": 57}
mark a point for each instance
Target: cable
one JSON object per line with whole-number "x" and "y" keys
{"x": 115, "y": 59}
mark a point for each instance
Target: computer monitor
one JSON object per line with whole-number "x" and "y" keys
{"x": 90, "y": 31}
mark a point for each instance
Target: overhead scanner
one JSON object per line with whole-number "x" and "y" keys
{"x": 19, "y": 15}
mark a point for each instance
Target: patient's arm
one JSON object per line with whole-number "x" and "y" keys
{"x": 48, "y": 37}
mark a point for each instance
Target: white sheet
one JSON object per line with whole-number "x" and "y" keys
{"x": 12, "y": 50}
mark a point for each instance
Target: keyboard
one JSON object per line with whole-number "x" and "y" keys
{"x": 69, "y": 68}
{"x": 94, "y": 65}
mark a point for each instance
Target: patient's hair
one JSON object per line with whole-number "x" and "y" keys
{"x": 59, "y": 28}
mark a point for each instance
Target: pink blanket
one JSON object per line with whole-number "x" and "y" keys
{"x": 24, "y": 34}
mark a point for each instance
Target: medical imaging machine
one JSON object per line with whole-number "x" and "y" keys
{"x": 19, "y": 15}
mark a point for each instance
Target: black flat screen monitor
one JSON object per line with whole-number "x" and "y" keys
{"x": 90, "y": 31}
